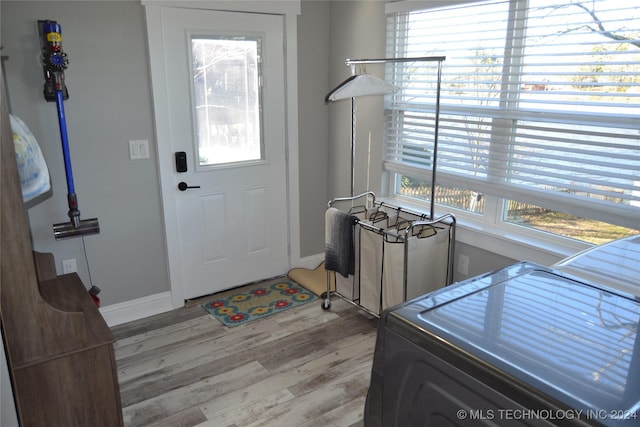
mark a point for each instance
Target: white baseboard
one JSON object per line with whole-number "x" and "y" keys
{"x": 128, "y": 311}
{"x": 140, "y": 308}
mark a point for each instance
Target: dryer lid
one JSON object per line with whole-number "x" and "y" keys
{"x": 574, "y": 341}
{"x": 615, "y": 264}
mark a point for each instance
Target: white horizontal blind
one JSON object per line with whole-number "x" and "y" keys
{"x": 540, "y": 102}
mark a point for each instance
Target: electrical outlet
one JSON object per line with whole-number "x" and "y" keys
{"x": 463, "y": 264}
{"x": 69, "y": 266}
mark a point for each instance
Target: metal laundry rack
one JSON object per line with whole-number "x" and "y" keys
{"x": 391, "y": 225}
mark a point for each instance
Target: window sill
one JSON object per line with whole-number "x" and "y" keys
{"x": 511, "y": 241}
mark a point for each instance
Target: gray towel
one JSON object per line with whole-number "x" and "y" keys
{"x": 339, "y": 253}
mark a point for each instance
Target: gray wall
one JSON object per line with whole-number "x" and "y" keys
{"x": 480, "y": 261}
{"x": 8, "y": 415}
{"x": 313, "y": 116}
{"x": 109, "y": 104}
{"x": 357, "y": 31}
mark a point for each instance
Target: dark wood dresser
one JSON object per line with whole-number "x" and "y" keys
{"x": 59, "y": 348}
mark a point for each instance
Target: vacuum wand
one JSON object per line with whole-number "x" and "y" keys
{"x": 72, "y": 198}
{"x": 54, "y": 62}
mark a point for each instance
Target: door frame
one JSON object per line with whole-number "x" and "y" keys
{"x": 289, "y": 10}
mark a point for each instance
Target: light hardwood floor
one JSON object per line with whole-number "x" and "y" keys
{"x": 302, "y": 367}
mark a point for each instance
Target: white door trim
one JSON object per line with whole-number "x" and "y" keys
{"x": 289, "y": 10}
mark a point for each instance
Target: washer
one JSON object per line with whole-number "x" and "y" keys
{"x": 525, "y": 345}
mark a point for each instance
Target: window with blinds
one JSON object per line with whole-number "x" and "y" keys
{"x": 539, "y": 104}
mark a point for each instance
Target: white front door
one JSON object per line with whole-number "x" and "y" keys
{"x": 221, "y": 91}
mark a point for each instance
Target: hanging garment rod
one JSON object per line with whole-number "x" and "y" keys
{"x": 439, "y": 60}
{"x": 350, "y": 62}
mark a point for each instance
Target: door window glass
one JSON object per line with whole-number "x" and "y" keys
{"x": 226, "y": 89}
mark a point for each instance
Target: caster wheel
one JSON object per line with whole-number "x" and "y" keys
{"x": 326, "y": 304}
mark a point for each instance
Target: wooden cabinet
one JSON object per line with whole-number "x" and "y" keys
{"x": 59, "y": 348}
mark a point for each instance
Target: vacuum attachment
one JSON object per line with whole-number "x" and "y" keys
{"x": 54, "y": 62}
{"x": 66, "y": 230}
{"x": 75, "y": 227}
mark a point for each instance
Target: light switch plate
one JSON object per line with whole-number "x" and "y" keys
{"x": 138, "y": 149}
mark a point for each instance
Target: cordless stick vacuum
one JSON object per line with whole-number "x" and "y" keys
{"x": 54, "y": 62}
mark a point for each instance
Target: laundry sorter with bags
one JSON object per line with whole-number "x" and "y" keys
{"x": 390, "y": 253}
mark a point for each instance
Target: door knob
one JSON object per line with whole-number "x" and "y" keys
{"x": 183, "y": 186}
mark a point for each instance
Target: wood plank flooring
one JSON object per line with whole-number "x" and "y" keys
{"x": 302, "y": 367}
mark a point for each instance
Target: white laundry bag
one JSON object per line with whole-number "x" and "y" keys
{"x": 32, "y": 168}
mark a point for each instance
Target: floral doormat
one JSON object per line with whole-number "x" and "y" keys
{"x": 258, "y": 302}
